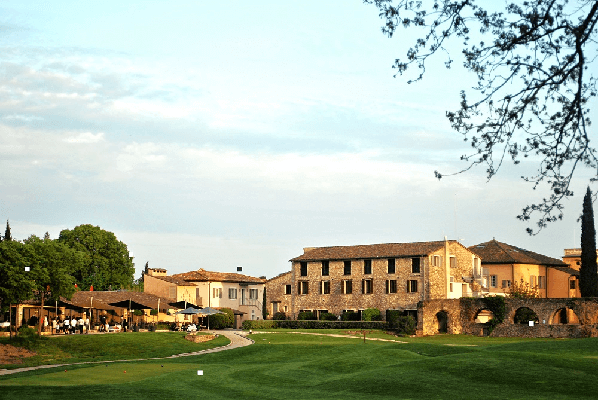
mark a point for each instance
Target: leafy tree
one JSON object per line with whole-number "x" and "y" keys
{"x": 523, "y": 290}
{"x": 107, "y": 264}
{"x": 52, "y": 263}
{"x": 7, "y": 235}
{"x": 588, "y": 272}
{"x": 16, "y": 284}
{"x": 533, "y": 62}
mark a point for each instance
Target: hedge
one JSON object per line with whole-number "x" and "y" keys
{"x": 313, "y": 324}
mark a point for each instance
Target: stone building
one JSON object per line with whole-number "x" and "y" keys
{"x": 391, "y": 276}
{"x": 241, "y": 293}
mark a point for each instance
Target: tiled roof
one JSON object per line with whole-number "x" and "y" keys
{"x": 201, "y": 275}
{"x": 567, "y": 270}
{"x": 386, "y": 250}
{"x": 494, "y": 252}
{"x": 177, "y": 280}
{"x": 279, "y": 276}
{"x": 102, "y": 299}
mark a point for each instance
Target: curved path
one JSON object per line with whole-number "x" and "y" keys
{"x": 236, "y": 340}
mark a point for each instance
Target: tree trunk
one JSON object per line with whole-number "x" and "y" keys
{"x": 40, "y": 323}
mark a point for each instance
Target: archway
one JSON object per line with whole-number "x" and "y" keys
{"x": 442, "y": 320}
{"x": 563, "y": 316}
{"x": 483, "y": 316}
{"x": 524, "y": 315}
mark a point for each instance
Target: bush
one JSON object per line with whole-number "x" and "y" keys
{"x": 405, "y": 325}
{"x": 328, "y": 317}
{"x": 371, "y": 314}
{"x": 350, "y": 316}
{"x": 222, "y": 321}
{"x": 279, "y": 316}
{"x": 306, "y": 315}
{"x": 313, "y": 324}
{"x": 154, "y": 312}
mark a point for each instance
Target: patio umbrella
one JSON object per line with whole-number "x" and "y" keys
{"x": 182, "y": 304}
{"x": 189, "y": 311}
{"x": 130, "y": 305}
{"x": 209, "y": 311}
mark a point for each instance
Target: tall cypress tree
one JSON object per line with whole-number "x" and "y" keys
{"x": 7, "y": 235}
{"x": 588, "y": 272}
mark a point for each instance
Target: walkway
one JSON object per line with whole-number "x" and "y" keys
{"x": 236, "y": 340}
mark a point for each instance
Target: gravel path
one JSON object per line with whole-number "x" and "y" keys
{"x": 236, "y": 340}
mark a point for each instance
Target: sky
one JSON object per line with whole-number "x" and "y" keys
{"x": 222, "y": 134}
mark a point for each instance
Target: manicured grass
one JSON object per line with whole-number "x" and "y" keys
{"x": 121, "y": 346}
{"x": 292, "y": 366}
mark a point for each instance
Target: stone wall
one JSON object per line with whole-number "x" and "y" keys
{"x": 461, "y": 314}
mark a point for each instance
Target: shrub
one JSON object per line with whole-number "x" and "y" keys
{"x": 222, "y": 321}
{"x": 371, "y": 314}
{"x": 350, "y": 316}
{"x": 306, "y": 315}
{"x": 328, "y": 317}
{"x": 279, "y": 316}
{"x": 313, "y": 324}
{"x": 405, "y": 325}
{"x": 154, "y": 312}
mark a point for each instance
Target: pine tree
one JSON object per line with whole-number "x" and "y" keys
{"x": 7, "y": 235}
{"x": 588, "y": 272}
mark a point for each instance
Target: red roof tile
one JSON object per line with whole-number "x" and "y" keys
{"x": 494, "y": 252}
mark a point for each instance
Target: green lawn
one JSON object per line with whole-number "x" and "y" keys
{"x": 292, "y": 366}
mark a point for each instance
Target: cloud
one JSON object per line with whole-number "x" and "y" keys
{"x": 85, "y": 138}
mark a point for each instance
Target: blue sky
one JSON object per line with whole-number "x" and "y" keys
{"x": 212, "y": 135}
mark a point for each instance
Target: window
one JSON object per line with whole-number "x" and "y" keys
{"x": 572, "y": 284}
{"x": 415, "y": 265}
{"x": 253, "y": 294}
{"x": 172, "y": 292}
{"x": 347, "y": 287}
{"x": 493, "y": 281}
{"x": 287, "y": 289}
{"x": 367, "y": 286}
{"x": 367, "y": 267}
{"x": 453, "y": 262}
{"x": 532, "y": 280}
{"x": 216, "y": 293}
{"x": 476, "y": 267}
{"x": 232, "y": 293}
{"x": 274, "y": 308}
{"x": 412, "y": 286}
{"x": 506, "y": 284}
{"x": 541, "y": 282}
{"x": 286, "y": 308}
{"x": 325, "y": 287}
{"x": 391, "y": 266}
{"x": 303, "y": 287}
{"x": 347, "y": 269}
{"x": 325, "y": 268}
{"x": 303, "y": 268}
{"x": 451, "y": 284}
{"x": 436, "y": 261}
{"x": 391, "y": 286}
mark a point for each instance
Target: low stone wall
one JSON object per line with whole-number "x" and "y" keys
{"x": 200, "y": 338}
{"x": 458, "y": 316}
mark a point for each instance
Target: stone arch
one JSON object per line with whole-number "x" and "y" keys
{"x": 524, "y": 314}
{"x": 483, "y": 315}
{"x": 442, "y": 321}
{"x": 563, "y": 316}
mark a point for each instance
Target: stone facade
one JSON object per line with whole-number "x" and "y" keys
{"x": 342, "y": 278}
{"x": 459, "y": 316}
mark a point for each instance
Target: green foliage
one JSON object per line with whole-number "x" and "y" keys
{"x": 107, "y": 263}
{"x": 402, "y": 324}
{"x": 7, "y": 235}
{"x": 313, "y": 324}
{"x": 371, "y": 314}
{"x": 279, "y": 316}
{"x": 138, "y": 312}
{"x": 154, "y": 312}
{"x": 588, "y": 271}
{"x": 16, "y": 284}
{"x": 524, "y": 314}
{"x": 496, "y": 304}
{"x": 222, "y": 321}
{"x": 523, "y": 290}
{"x": 306, "y": 315}
{"x": 350, "y": 316}
{"x": 328, "y": 317}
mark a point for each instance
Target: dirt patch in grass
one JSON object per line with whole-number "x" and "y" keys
{"x": 13, "y": 355}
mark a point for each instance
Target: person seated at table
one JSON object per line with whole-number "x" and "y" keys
{"x": 192, "y": 328}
